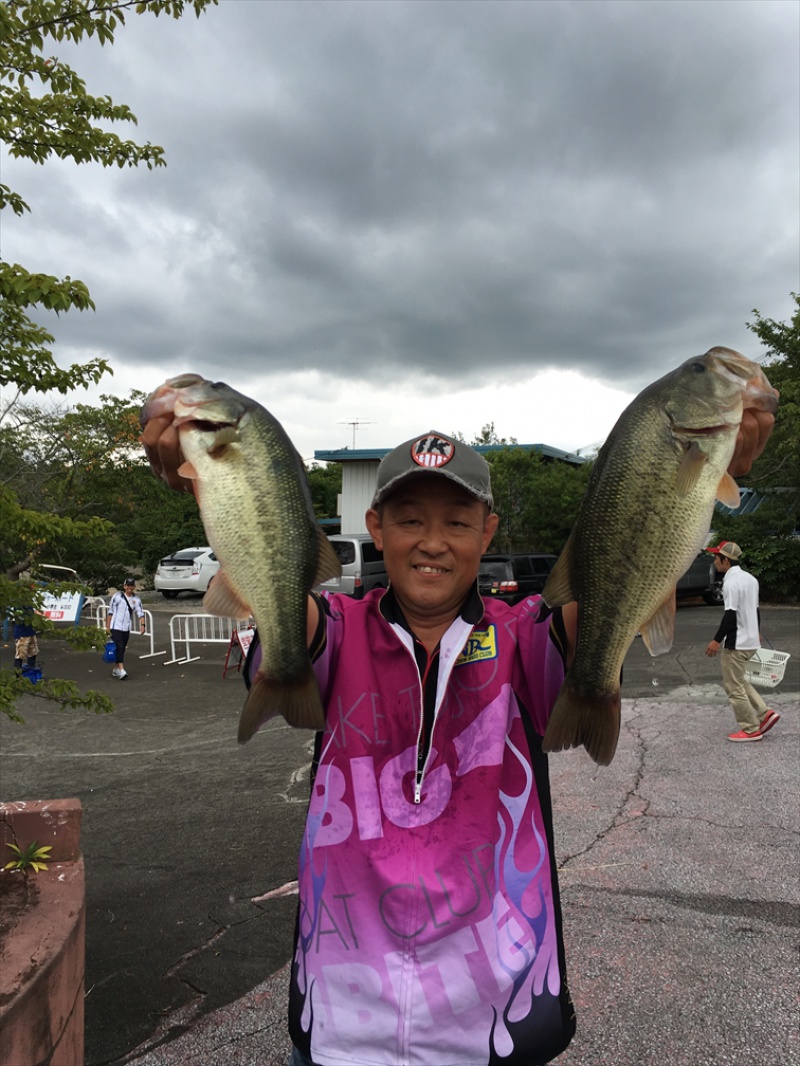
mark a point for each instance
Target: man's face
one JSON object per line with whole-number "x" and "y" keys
{"x": 432, "y": 534}
{"x": 720, "y": 564}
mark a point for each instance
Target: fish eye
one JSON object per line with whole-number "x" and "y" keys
{"x": 699, "y": 368}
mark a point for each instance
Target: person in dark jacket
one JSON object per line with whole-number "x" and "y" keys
{"x": 26, "y": 645}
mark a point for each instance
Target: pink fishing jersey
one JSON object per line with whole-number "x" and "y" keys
{"x": 429, "y": 924}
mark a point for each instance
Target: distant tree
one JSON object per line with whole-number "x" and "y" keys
{"x": 488, "y": 435}
{"x": 537, "y": 499}
{"x": 325, "y": 483}
{"x": 45, "y": 111}
{"x": 769, "y": 536}
{"x": 780, "y": 464}
{"x": 87, "y": 461}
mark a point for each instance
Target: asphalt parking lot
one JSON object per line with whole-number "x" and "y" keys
{"x": 679, "y": 863}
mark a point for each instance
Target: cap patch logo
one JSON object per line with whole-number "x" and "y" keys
{"x": 432, "y": 450}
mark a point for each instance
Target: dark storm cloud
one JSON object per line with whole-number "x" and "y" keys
{"x": 437, "y": 188}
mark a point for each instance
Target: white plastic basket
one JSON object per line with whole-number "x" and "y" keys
{"x": 766, "y": 667}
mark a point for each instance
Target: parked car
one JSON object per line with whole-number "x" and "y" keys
{"x": 188, "y": 570}
{"x": 701, "y": 579}
{"x": 363, "y": 568}
{"x": 512, "y": 577}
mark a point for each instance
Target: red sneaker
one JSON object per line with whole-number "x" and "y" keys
{"x": 770, "y": 718}
{"x": 741, "y": 735}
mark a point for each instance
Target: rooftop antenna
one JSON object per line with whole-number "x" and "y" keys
{"x": 356, "y": 423}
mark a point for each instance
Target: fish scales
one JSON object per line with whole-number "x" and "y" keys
{"x": 249, "y": 534}
{"x": 645, "y": 515}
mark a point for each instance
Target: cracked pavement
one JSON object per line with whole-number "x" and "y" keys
{"x": 679, "y": 862}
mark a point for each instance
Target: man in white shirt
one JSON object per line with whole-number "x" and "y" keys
{"x": 119, "y": 623}
{"x": 739, "y": 633}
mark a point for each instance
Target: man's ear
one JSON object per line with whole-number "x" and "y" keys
{"x": 374, "y": 527}
{"x": 489, "y": 529}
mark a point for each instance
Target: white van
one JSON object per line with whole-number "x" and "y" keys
{"x": 362, "y": 565}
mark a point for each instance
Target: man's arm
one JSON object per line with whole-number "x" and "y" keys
{"x": 726, "y": 627}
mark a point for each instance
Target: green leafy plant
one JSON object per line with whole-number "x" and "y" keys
{"x": 35, "y": 856}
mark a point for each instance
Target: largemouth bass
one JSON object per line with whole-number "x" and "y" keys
{"x": 254, "y": 500}
{"x": 645, "y": 515}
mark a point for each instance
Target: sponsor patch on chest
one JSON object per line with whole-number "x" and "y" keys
{"x": 481, "y": 645}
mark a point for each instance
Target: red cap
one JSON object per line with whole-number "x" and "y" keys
{"x": 726, "y": 548}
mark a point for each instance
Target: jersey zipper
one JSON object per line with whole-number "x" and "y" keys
{"x": 419, "y": 776}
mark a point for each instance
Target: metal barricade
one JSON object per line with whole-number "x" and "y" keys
{"x": 149, "y": 631}
{"x": 189, "y": 629}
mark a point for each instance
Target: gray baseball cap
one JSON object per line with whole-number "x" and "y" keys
{"x": 434, "y": 453}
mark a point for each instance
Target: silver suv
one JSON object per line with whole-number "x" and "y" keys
{"x": 363, "y": 568}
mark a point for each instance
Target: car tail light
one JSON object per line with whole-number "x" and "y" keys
{"x": 357, "y": 580}
{"x": 196, "y": 568}
{"x": 509, "y": 586}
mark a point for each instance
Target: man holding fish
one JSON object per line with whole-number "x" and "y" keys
{"x": 429, "y": 923}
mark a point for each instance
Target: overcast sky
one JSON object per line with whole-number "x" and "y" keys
{"x": 431, "y": 214}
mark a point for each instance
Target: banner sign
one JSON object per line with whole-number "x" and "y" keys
{"x": 64, "y": 608}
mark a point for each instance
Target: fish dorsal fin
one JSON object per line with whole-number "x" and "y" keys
{"x": 728, "y": 491}
{"x": 658, "y": 631}
{"x": 558, "y": 587}
{"x": 691, "y": 468}
{"x": 222, "y": 599}
{"x": 328, "y": 564}
{"x": 222, "y": 438}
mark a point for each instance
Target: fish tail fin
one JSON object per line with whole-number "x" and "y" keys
{"x": 592, "y": 720}
{"x": 298, "y": 701}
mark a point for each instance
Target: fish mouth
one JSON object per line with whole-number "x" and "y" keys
{"x": 162, "y": 400}
{"x": 205, "y": 413}
{"x": 183, "y": 381}
{"x": 202, "y": 425}
{"x": 749, "y": 376}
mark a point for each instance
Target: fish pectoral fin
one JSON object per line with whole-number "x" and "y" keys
{"x": 328, "y": 564}
{"x": 558, "y": 587}
{"x": 658, "y": 632}
{"x": 691, "y": 468}
{"x": 222, "y": 599}
{"x": 187, "y": 470}
{"x": 728, "y": 491}
{"x": 298, "y": 701}
{"x": 222, "y": 438}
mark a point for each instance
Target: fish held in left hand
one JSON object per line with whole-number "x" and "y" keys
{"x": 254, "y": 500}
{"x": 644, "y": 517}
